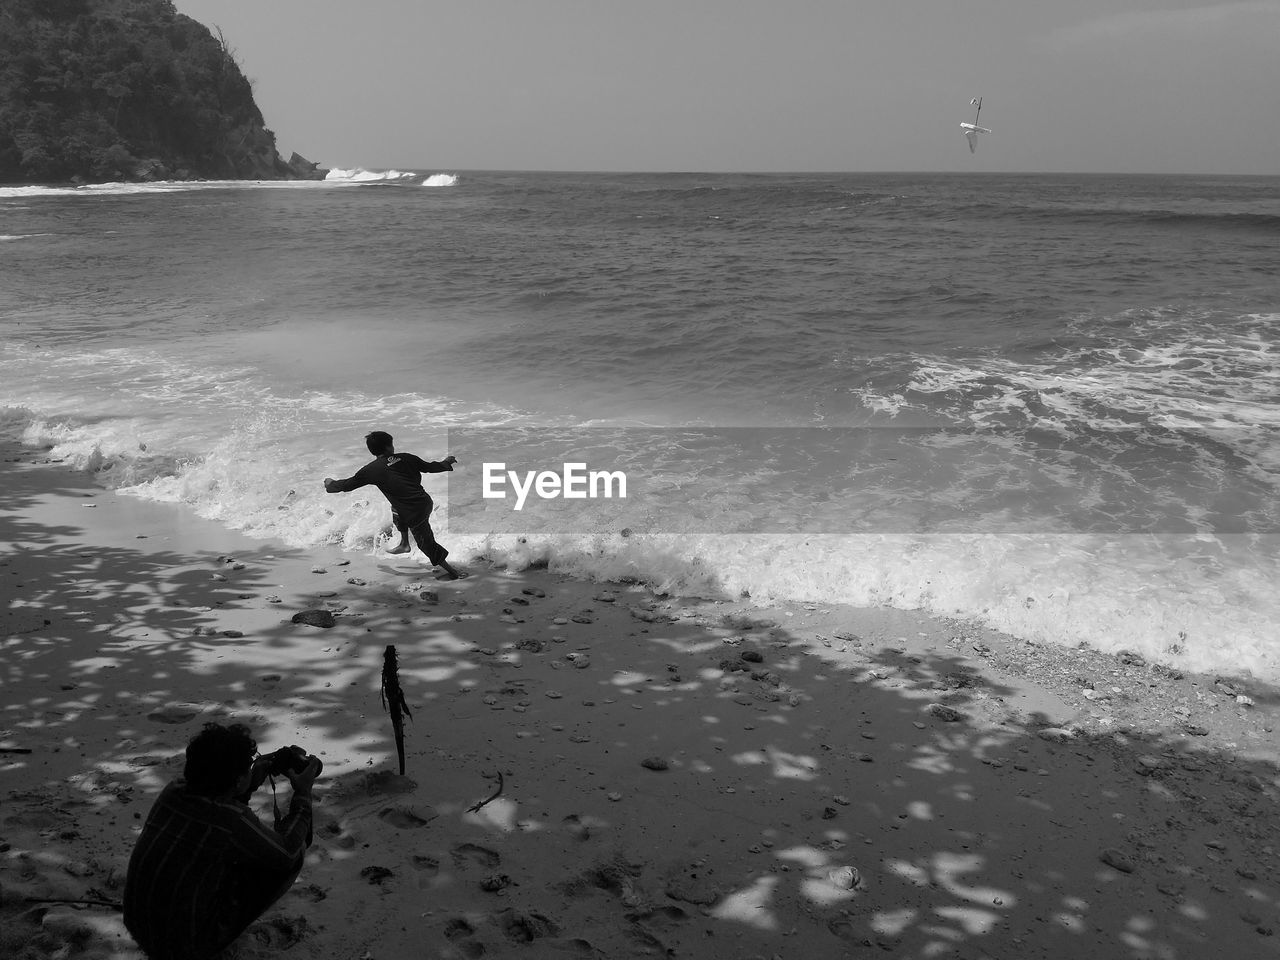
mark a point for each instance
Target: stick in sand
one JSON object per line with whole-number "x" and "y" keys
{"x": 89, "y": 903}
{"x": 393, "y": 700}
{"x": 489, "y": 799}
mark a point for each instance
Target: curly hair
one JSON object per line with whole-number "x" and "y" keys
{"x": 217, "y": 757}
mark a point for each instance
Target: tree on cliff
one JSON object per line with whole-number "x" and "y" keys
{"x": 123, "y": 89}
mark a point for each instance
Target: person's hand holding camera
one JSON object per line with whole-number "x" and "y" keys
{"x": 294, "y": 762}
{"x": 302, "y": 778}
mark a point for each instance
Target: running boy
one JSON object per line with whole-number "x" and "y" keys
{"x": 398, "y": 476}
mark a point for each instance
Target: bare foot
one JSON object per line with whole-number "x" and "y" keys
{"x": 449, "y": 572}
{"x": 399, "y": 548}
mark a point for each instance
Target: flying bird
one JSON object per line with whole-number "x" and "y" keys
{"x": 971, "y": 130}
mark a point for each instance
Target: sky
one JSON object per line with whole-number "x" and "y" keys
{"x": 1088, "y": 86}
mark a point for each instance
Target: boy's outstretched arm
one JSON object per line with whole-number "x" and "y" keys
{"x": 343, "y": 486}
{"x": 436, "y": 466}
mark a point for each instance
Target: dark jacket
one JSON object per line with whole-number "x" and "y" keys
{"x": 398, "y": 476}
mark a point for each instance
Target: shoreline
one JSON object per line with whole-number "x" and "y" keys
{"x": 679, "y": 774}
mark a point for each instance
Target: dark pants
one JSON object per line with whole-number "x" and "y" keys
{"x": 419, "y": 524}
{"x": 426, "y": 541}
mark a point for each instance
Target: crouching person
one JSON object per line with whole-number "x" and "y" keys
{"x": 205, "y": 866}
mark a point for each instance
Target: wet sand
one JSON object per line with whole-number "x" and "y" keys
{"x": 593, "y": 770}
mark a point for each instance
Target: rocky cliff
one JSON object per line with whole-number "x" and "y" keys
{"x": 99, "y": 90}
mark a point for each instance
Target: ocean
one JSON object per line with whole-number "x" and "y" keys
{"x": 1049, "y": 403}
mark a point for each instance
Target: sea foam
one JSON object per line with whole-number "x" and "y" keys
{"x": 1195, "y": 602}
{"x": 361, "y": 175}
{"x": 155, "y": 187}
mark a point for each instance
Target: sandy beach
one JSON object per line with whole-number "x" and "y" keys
{"x": 593, "y": 770}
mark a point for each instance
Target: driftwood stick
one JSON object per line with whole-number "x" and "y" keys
{"x": 15, "y": 749}
{"x": 393, "y": 700}
{"x": 489, "y": 799}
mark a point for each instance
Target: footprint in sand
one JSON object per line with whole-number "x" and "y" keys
{"x": 428, "y": 865}
{"x": 646, "y": 940}
{"x": 457, "y": 928}
{"x": 405, "y": 819}
{"x": 846, "y": 929}
{"x": 472, "y": 853}
{"x": 280, "y": 933}
{"x": 337, "y": 834}
{"x": 526, "y": 927}
{"x": 174, "y": 713}
{"x": 459, "y": 933}
{"x": 375, "y": 874}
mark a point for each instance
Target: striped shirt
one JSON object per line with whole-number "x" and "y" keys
{"x": 205, "y": 868}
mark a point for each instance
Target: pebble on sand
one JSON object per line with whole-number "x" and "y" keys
{"x": 315, "y": 618}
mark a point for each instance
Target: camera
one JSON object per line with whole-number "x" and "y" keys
{"x": 286, "y": 760}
